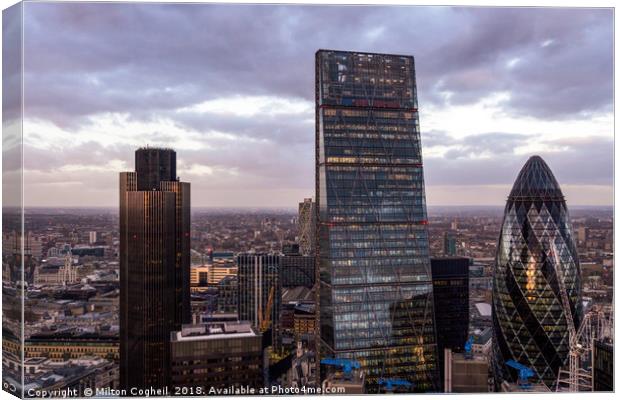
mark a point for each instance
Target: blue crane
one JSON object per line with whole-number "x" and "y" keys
{"x": 524, "y": 373}
{"x": 389, "y": 384}
{"x": 344, "y": 363}
{"x": 468, "y": 346}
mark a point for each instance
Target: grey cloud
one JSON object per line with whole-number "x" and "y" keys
{"x": 89, "y": 153}
{"x": 135, "y": 51}
{"x": 148, "y": 60}
{"x": 282, "y": 129}
{"x": 11, "y": 63}
{"x": 497, "y": 143}
{"x": 435, "y": 138}
{"x": 587, "y": 161}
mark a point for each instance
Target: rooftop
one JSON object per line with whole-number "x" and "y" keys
{"x": 220, "y": 330}
{"x": 297, "y": 293}
{"x": 484, "y": 309}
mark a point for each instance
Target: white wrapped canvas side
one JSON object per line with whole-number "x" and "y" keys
{"x": 14, "y": 256}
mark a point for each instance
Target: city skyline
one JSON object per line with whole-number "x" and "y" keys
{"x": 362, "y": 290}
{"x": 241, "y": 120}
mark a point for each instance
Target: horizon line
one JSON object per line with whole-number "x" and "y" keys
{"x": 294, "y": 207}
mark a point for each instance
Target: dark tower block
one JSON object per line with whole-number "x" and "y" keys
{"x": 155, "y": 165}
{"x": 154, "y": 267}
{"x": 376, "y": 293}
{"x": 451, "y": 294}
{"x": 536, "y": 283}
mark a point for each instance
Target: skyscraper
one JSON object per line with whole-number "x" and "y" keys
{"x": 449, "y": 244}
{"x": 307, "y": 227}
{"x": 451, "y": 295}
{"x": 296, "y": 269}
{"x": 154, "y": 266}
{"x": 376, "y": 295}
{"x": 259, "y": 290}
{"x": 536, "y": 284}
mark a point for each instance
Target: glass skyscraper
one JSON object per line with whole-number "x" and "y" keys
{"x": 258, "y": 280}
{"x": 154, "y": 266}
{"x": 451, "y": 294}
{"x": 536, "y": 261}
{"x": 376, "y": 296}
{"x": 307, "y": 227}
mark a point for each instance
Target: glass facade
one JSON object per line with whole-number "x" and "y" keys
{"x": 154, "y": 269}
{"x": 258, "y": 280}
{"x": 603, "y": 369}
{"x": 296, "y": 269}
{"x": 376, "y": 298}
{"x": 451, "y": 295}
{"x": 228, "y": 357}
{"x": 536, "y": 260}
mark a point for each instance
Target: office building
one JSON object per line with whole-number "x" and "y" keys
{"x": 220, "y": 269}
{"x": 449, "y": 244}
{"x": 212, "y": 273}
{"x": 536, "y": 282}
{"x": 307, "y": 227}
{"x": 582, "y": 234}
{"x": 78, "y": 378}
{"x": 304, "y": 321}
{"x": 603, "y": 366}
{"x": 296, "y": 269}
{"x": 217, "y": 355}
{"x": 154, "y": 266}
{"x": 198, "y": 277}
{"x": 296, "y": 310}
{"x": 465, "y": 374}
{"x": 376, "y": 295}
{"x": 58, "y": 347}
{"x": 228, "y": 295}
{"x": 451, "y": 297}
{"x": 259, "y": 290}
{"x": 341, "y": 383}
{"x": 483, "y": 341}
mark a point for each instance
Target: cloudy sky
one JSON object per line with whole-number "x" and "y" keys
{"x": 231, "y": 88}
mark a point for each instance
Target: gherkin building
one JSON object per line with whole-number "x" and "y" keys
{"x": 536, "y": 262}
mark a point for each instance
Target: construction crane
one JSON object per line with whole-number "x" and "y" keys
{"x": 344, "y": 363}
{"x": 574, "y": 346}
{"x": 524, "y": 373}
{"x": 390, "y": 384}
{"x": 468, "y": 347}
{"x": 581, "y": 341}
{"x": 595, "y": 325}
{"x": 264, "y": 316}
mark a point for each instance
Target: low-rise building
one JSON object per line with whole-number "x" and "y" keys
{"x": 304, "y": 321}
{"x": 483, "y": 340}
{"x": 218, "y": 355}
{"x": 338, "y": 382}
{"x": 465, "y": 374}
